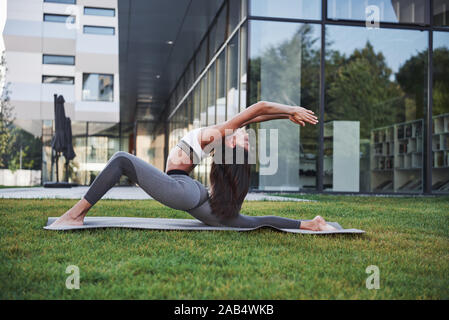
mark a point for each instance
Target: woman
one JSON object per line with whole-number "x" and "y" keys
{"x": 229, "y": 178}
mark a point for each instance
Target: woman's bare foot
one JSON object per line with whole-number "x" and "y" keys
{"x": 317, "y": 224}
{"x": 74, "y": 216}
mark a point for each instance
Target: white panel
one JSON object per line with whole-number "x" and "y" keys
{"x": 61, "y": 8}
{"x": 25, "y": 91}
{"x": 346, "y": 167}
{"x": 58, "y": 70}
{"x": 26, "y": 110}
{"x": 25, "y": 10}
{"x": 23, "y": 28}
{"x": 100, "y": 21}
{"x": 97, "y": 106}
{"x": 2, "y": 22}
{"x": 97, "y": 63}
{"x": 24, "y": 67}
{"x": 59, "y": 30}
{"x": 97, "y": 44}
{"x": 49, "y": 89}
{"x": 23, "y": 43}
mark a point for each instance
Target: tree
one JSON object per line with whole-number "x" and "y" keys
{"x": 18, "y": 148}
{"x": 6, "y": 110}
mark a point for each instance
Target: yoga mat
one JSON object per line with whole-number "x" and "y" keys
{"x": 176, "y": 224}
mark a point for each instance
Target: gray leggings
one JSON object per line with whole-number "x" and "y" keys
{"x": 176, "y": 191}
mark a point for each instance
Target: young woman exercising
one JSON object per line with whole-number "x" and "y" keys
{"x": 229, "y": 179}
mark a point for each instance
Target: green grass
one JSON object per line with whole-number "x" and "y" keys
{"x": 407, "y": 238}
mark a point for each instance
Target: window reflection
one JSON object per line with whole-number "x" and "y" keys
{"x": 401, "y": 11}
{"x": 375, "y": 100}
{"x": 234, "y": 14}
{"x": 221, "y": 98}
{"x": 299, "y": 9}
{"x": 440, "y": 109}
{"x": 98, "y": 87}
{"x": 284, "y": 66}
{"x": 211, "y": 91}
{"x": 441, "y": 13}
{"x": 233, "y": 77}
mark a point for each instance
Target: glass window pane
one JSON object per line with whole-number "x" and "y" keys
{"x": 99, "y": 11}
{"x": 243, "y": 66}
{"x": 299, "y": 9}
{"x": 53, "y": 59}
{"x": 221, "y": 28}
{"x": 190, "y": 112}
{"x": 441, "y": 13}
{"x": 200, "y": 58}
{"x": 440, "y": 117}
{"x": 62, "y": 1}
{"x": 212, "y": 36}
{"x": 99, "y": 30}
{"x": 285, "y": 68}
{"x": 375, "y": 102}
{"x": 232, "y": 76}
{"x": 61, "y": 18}
{"x": 221, "y": 94}
{"x": 234, "y": 14}
{"x": 410, "y": 11}
{"x": 58, "y": 79}
{"x": 98, "y": 87}
{"x": 196, "y": 107}
{"x": 203, "y": 101}
{"x": 189, "y": 76}
{"x": 211, "y": 91}
{"x": 244, "y": 9}
{"x": 102, "y": 142}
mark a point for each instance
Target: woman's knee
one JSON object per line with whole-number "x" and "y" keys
{"x": 120, "y": 154}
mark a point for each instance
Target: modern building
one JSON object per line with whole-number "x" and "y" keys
{"x": 69, "y": 48}
{"x": 375, "y": 72}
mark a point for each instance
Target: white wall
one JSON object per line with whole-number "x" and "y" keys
{"x": 26, "y": 178}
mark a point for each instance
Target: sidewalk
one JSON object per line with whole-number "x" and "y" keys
{"x": 120, "y": 193}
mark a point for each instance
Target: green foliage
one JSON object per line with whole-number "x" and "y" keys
{"x": 17, "y": 147}
{"x": 22, "y": 147}
{"x": 6, "y": 117}
{"x": 360, "y": 89}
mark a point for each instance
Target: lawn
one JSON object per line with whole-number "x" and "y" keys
{"x": 407, "y": 239}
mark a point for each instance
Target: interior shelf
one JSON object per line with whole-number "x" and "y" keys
{"x": 397, "y": 156}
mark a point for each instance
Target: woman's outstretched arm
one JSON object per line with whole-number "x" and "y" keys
{"x": 258, "y": 112}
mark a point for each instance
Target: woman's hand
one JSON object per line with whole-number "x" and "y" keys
{"x": 301, "y": 115}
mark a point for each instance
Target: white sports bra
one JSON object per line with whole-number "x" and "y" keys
{"x": 190, "y": 145}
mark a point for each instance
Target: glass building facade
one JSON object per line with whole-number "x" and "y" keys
{"x": 374, "y": 72}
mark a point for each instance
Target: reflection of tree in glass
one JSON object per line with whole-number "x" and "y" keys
{"x": 292, "y": 69}
{"x": 441, "y": 81}
{"x": 23, "y": 149}
{"x": 359, "y": 88}
{"x": 413, "y": 77}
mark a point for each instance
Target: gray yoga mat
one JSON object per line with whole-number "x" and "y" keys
{"x": 175, "y": 224}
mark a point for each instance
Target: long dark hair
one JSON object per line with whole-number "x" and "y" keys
{"x": 229, "y": 181}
